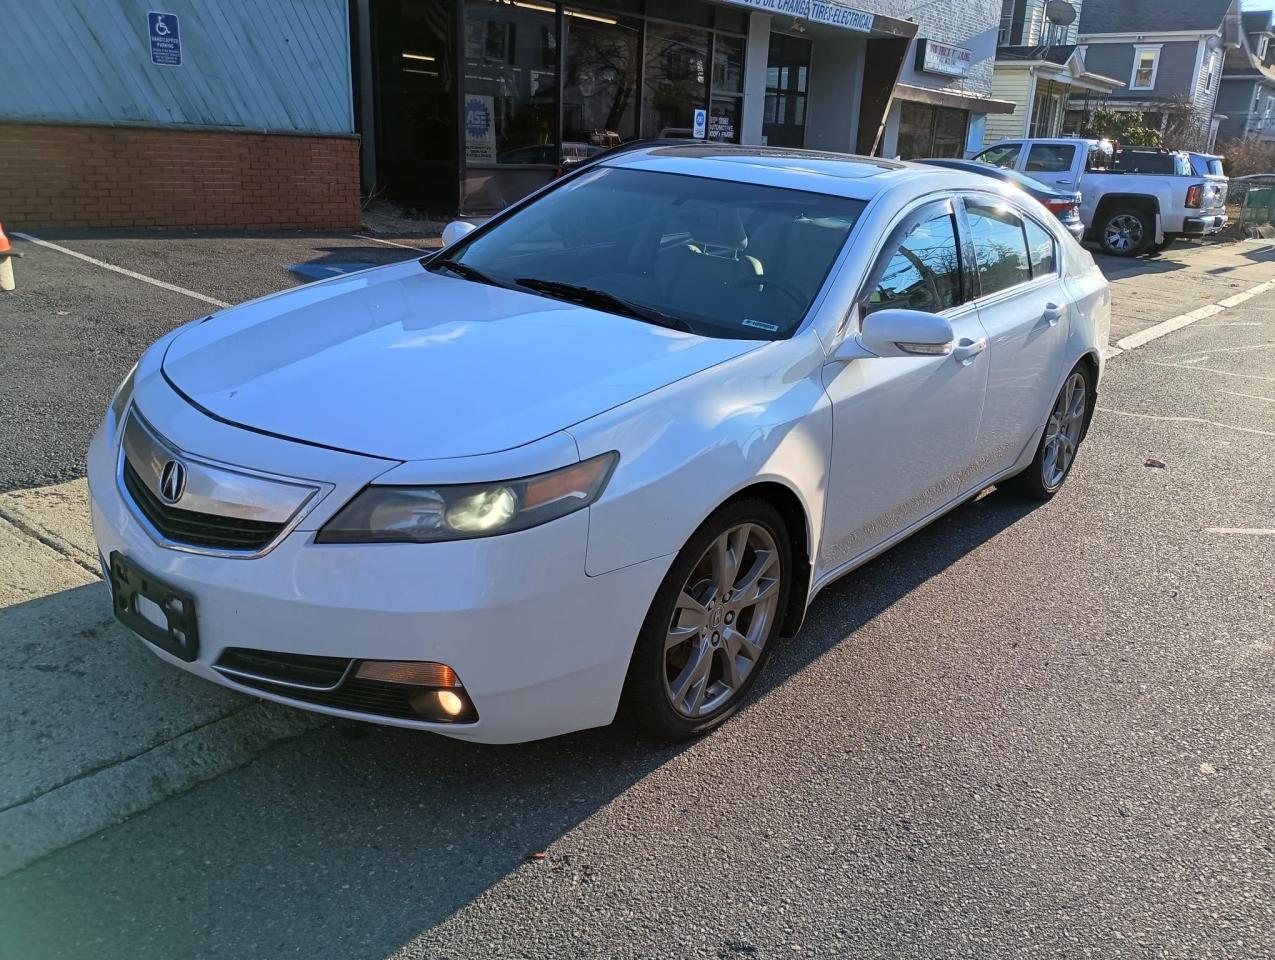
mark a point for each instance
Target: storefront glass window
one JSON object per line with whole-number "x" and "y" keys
{"x": 599, "y": 91}
{"x": 676, "y": 79}
{"x": 929, "y": 131}
{"x": 509, "y": 110}
{"x": 728, "y": 64}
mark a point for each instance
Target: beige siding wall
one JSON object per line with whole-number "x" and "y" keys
{"x": 1013, "y": 85}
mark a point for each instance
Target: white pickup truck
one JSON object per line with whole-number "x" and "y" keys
{"x": 1132, "y": 199}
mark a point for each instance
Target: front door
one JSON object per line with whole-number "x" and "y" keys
{"x": 787, "y": 91}
{"x": 905, "y": 428}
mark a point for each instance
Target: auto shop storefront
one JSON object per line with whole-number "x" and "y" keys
{"x": 468, "y": 105}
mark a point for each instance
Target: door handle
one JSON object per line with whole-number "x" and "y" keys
{"x": 968, "y": 349}
{"x": 1053, "y": 313}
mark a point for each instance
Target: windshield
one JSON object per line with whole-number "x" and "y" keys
{"x": 717, "y": 258}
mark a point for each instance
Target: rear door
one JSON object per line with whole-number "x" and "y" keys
{"x": 1023, "y": 305}
{"x": 1056, "y": 164}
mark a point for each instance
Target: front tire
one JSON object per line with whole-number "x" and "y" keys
{"x": 1127, "y": 232}
{"x": 1064, "y": 431}
{"x": 712, "y": 624}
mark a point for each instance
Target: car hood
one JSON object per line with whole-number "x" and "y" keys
{"x": 402, "y": 363}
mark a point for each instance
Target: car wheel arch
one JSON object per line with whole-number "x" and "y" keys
{"x": 1114, "y": 202}
{"x": 792, "y": 507}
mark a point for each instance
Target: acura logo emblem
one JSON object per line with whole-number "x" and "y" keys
{"x": 172, "y": 481}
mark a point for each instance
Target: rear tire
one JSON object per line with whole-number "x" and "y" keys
{"x": 712, "y": 624}
{"x": 1064, "y": 431}
{"x": 1126, "y": 232}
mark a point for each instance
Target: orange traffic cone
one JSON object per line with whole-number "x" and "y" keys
{"x": 6, "y": 261}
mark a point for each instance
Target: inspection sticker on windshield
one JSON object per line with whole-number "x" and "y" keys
{"x": 768, "y": 327}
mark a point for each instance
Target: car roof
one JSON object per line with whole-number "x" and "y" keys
{"x": 836, "y": 174}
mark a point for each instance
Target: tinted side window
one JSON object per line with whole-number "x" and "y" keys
{"x": 1002, "y": 156}
{"x": 924, "y": 273}
{"x": 1000, "y": 249}
{"x": 1050, "y": 158}
{"x": 1041, "y": 247}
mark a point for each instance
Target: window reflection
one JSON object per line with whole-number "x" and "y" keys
{"x": 925, "y": 272}
{"x": 676, "y": 79}
{"x": 599, "y": 92}
{"x": 1000, "y": 248}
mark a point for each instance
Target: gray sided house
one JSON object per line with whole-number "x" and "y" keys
{"x": 1247, "y": 96}
{"x": 1168, "y": 53}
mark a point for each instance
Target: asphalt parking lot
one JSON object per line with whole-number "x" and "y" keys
{"x": 1029, "y": 731}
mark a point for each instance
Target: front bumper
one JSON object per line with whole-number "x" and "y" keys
{"x": 540, "y": 647}
{"x": 1204, "y": 226}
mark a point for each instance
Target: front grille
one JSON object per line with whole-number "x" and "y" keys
{"x": 286, "y": 668}
{"x": 359, "y": 696}
{"x": 197, "y": 529}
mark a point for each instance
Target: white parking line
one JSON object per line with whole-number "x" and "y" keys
{"x": 1142, "y": 337}
{"x": 1206, "y": 423}
{"x": 1221, "y": 373}
{"x": 128, "y": 273}
{"x": 1248, "y": 531}
{"x": 1251, "y": 396}
{"x": 390, "y": 243}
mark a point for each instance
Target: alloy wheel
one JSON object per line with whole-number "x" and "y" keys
{"x": 721, "y": 620}
{"x": 1123, "y": 232}
{"x": 1062, "y": 433}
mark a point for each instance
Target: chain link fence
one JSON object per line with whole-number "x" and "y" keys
{"x": 1251, "y": 205}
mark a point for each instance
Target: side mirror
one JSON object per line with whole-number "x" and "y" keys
{"x": 900, "y": 333}
{"x": 456, "y": 230}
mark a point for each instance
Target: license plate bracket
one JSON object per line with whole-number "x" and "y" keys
{"x": 180, "y": 636}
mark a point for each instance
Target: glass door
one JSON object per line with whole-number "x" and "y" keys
{"x": 787, "y": 89}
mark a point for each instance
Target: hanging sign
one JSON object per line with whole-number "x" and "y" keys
{"x": 932, "y": 57}
{"x": 830, "y": 12}
{"x": 699, "y": 128}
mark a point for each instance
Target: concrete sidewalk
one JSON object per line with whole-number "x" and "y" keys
{"x": 95, "y": 729}
{"x": 1188, "y": 275}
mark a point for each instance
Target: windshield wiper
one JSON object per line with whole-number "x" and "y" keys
{"x": 469, "y": 273}
{"x": 591, "y": 297}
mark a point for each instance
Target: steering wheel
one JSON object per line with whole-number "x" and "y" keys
{"x": 798, "y": 298}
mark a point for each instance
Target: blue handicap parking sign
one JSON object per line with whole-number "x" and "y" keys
{"x": 166, "y": 41}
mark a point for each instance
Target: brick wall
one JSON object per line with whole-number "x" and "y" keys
{"x": 95, "y": 176}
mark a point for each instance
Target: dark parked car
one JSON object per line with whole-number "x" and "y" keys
{"x": 1064, "y": 204}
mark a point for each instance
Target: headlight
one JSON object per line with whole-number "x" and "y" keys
{"x": 123, "y": 394}
{"x": 393, "y": 514}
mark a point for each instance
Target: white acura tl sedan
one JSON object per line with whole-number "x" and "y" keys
{"x": 599, "y": 453}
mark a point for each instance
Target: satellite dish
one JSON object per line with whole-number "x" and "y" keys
{"x": 1060, "y": 12}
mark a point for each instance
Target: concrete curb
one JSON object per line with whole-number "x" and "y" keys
{"x": 114, "y": 793}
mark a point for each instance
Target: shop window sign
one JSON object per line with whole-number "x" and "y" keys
{"x": 480, "y": 129}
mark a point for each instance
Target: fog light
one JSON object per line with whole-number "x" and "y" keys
{"x": 442, "y": 706}
{"x": 452, "y": 705}
{"x": 409, "y": 673}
